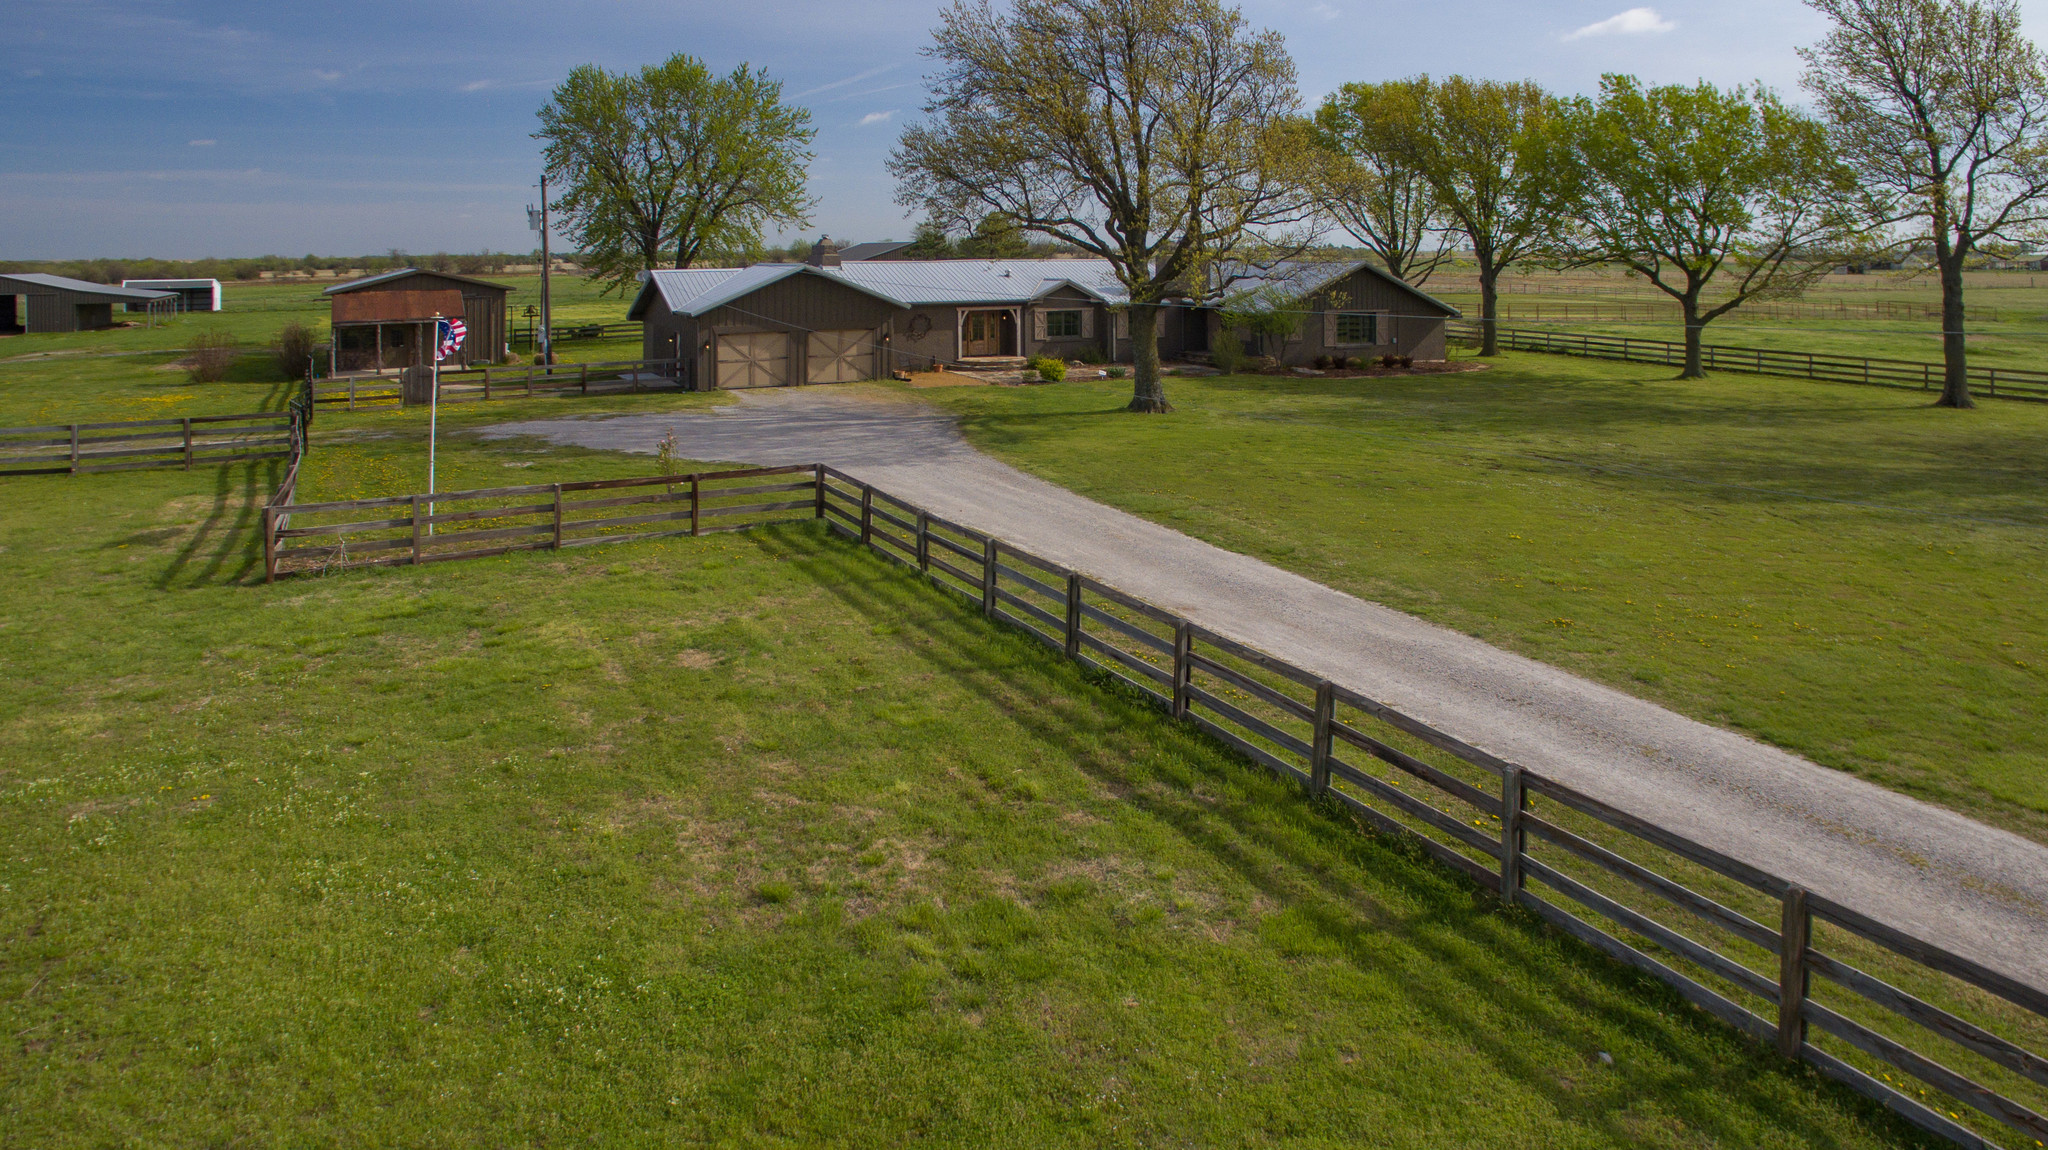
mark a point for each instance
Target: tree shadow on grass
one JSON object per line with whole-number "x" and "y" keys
{"x": 228, "y": 543}
{"x": 1376, "y": 903}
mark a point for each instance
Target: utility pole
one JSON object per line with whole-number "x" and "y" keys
{"x": 544, "y": 350}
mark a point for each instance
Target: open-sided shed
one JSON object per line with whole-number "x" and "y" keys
{"x": 387, "y": 321}
{"x": 192, "y": 295}
{"x": 60, "y": 303}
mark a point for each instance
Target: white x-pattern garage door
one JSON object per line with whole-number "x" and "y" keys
{"x": 753, "y": 359}
{"x": 839, "y": 357}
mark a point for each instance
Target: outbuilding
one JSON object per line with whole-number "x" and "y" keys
{"x": 60, "y": 303}
{"x": 192, "y": 295}
{"x": 387, "y": 321}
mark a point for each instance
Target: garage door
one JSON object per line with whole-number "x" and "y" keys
{"x": 753, "y": 359}
{"x": 840, "y": 357}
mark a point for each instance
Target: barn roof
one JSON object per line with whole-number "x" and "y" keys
{"x": 401, "y": 273}
{"x": 82, "y": 287}
{"x": 875, "y": 250}
{"x": 167, "y": 285}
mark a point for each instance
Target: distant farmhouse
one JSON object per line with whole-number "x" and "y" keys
{"x": 60, "y": 303}
{"x": 387, "y": 321}
{"x": 192, "y": 295}
{"x": 833, "y": 319}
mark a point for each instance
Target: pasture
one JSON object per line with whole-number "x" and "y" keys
{"x": 1846, "y": 572}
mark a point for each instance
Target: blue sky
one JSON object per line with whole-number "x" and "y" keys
{"x": 177, "y": 129}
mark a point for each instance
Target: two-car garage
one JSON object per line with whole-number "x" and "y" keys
{"x": 770, "y": 358}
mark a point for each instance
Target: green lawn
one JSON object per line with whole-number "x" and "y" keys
{"x": 1846, "y": 572}
{"x": 749, "y": 840}
{"x": 2011, "y": 329}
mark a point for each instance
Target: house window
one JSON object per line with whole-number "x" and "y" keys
{"x": 1063, "y": 325}
{"x": 1357, "y": 327}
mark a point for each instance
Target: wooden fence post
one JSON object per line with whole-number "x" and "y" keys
{"x": 818, "y": 474}
{"x": 867, "y": 514}
{"x": 1319, "y": 744}
{"x": 1795, "y": 931}
{"x": 188, "y": 443}
{"x": 924, "y": 542}
{"x": 415, "y": 530}
{"x": 988, "y": 577}
{"x": 269, "y": 545}
{"x": 696, "y": 505}
{"x": 1073, "y": 614}
{"x": 1183, "y": 670}
{"x": 558, "y": 517}
{"x": 74, "y": 449}
{"x": 583, "y": 377}
{"x": 1512, "y": 802}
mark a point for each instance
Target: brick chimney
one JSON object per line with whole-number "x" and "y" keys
{"x": 824, "y": 253}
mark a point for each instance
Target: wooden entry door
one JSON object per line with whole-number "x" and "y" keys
{"x": 982, "y": 334}
{"x": 753, "y": 359}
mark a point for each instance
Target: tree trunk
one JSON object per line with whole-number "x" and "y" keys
{"x": 1955, "y": 373}
{"x": 1695, "y": 331}
{"x": 1148, "y": 392}
{"x": 1489, "y": 304}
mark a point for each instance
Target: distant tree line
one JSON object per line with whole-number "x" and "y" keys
{"x": 113, "y": 271}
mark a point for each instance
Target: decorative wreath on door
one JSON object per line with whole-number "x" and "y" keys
{"x": 920, "y": 326}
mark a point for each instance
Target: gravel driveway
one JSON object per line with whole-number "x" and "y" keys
{"x": 1979, "y": 891}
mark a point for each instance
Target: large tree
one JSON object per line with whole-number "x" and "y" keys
{"x": 1695, "y": 188}
{"x": 673, "y": 164}
{"x": 1369, "y": 186}
{"x": 1940, "y": 107}
{"x": 1160, "y": 135}
{"x": 1492, "y": 153}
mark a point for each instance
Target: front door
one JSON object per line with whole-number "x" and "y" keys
{"x": 983, "y": 334}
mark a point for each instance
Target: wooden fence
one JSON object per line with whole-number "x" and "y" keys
{"x": 123, "y": 445}
{"x": 2001, "y": 382}
{"x": 301, "y": 538}
{"x": 1858, "y": 1000}
{"x": 461, "y": 385}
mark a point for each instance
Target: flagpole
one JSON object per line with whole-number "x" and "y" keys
{"x": 433, "y": 418}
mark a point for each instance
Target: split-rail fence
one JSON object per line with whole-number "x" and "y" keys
{"x": 523, "y": 381}
{"x": 1917, "y": 1027}
{"x": 1998, "y": 382}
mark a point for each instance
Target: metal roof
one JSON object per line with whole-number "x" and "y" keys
{"x": 1296, "y": 279}
{"x": 170, "y": 284}
{"x": 83, "y": 287}
{"x": 401, "y": 273}
{"x": 923, "y": 282}
{"x": 695, "y": 291}
{"x": 875, "y": 250}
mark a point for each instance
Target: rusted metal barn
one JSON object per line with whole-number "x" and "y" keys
{"x": 387, "y": 321}
{"x": 59, "y": 303}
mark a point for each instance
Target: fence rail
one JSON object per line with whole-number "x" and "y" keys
{"x": 1741, "y": 944}
{"x": 462, "y": 385}
{"x": 124, "y": 445}
{"x": 301, "y": 538}
{"x": 2000, "y": 382}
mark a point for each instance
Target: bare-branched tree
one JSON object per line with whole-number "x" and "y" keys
{"x": 1161, "y": 135}
{"x": 1940, "y": 106}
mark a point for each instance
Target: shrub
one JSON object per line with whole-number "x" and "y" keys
{"x": 293, "y": 346}
{"x": 667, "y": 456}
{"x": 1090, "y": 355}
{"x": 1114, "y": 373}
{"x": 1390, "y": 360}
{"x": 1407, "y": 361}
{"x": 213, "y": 352}
{"x": 1355, "y": 363}
{"x": 1228, "y": 356}
{"x": 1049, "y": 369}
{"x": 1323, "y": 362}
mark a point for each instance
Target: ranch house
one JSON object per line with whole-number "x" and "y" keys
{"x": 833, "y": 320}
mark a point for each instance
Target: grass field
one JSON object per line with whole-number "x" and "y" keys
{"x": 1845, "y": 572}
{"x": 2010, "y": 328}
{"x": 748, "y": 840}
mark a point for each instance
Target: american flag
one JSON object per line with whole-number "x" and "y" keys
{"x": 452, "y": 332}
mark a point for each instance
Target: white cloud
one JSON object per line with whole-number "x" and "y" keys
{"x": 479, "y": 85}
{"x": 1324, "y": 10}
{"x": 877, "y": 117}
{"x": 1634, "y": 22}
{"x": 870, "y": 74}
{"x": 202, "y": 143}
